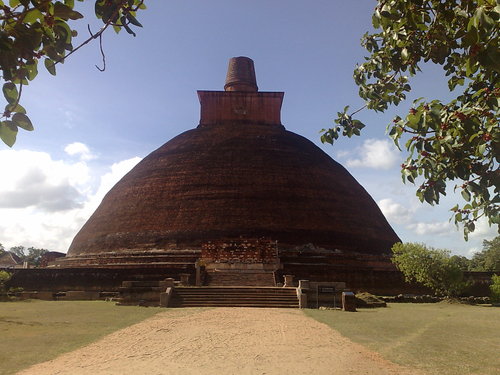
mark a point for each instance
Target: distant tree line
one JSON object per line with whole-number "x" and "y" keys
{"x": 487, "y": 259}
{"x": 32, "y": 255}
{"x": 438, "y": 270}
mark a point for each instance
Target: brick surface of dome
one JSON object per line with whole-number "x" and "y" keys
{"x": 239, "y": 174}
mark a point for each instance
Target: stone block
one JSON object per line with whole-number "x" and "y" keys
{"x": 184, "y": 279}
{"x": 80, "y": 295}
{"x": 288, "y": 281}
{"x": 165, "y": 297}
{"x": 348, "y": 301}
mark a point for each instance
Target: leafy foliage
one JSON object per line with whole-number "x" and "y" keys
{"x": 455, "y": 141}
{"x": 31, "y": 31}
{"x": 489, "y": 258}
{"x": 32, "y": 255}
{"x": 433, "y": 268}
{"x": 495, "y": 288}
{"x": 4, "y": 277}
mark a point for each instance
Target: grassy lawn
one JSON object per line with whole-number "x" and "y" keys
{"x": 35, "y": 331}
{"x": 437, "y": 338}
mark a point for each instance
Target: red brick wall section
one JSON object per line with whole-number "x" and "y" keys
{"x": 240, "y": 251}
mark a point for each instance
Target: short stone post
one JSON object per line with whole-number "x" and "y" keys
{"x": 302, "y": 293}
{"x": 348, "y": 301}
{"x": 165, "y": 297}
{"x": 288, "y": 281}
{"x": 184, "y": 279}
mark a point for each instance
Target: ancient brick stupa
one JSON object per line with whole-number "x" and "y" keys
{"x": 237, "y": 189}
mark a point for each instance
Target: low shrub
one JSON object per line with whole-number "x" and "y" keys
{"x": 495, "y": 288}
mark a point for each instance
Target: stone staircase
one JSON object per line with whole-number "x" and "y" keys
{"x": 227, "y": 296}
{"x": 240, "y": 278}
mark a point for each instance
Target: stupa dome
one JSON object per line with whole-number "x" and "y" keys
{"x": 239, "y": 174}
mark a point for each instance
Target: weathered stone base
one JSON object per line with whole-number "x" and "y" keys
{"x": 360, "y": 272}
{"x": 91, "y": 279}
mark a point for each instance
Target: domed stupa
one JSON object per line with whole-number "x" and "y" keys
{"x": 238, "y": 189}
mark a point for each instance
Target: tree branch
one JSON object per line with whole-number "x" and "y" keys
{"x": 103, "y": 56}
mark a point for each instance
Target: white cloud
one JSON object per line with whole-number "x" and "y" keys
{"x": 343, "y": 153}
{"x": 374, "y": 153}
{"x": 108, "y": 180}
{"x": 440, "y": 228}
{"x": 79, "y": 149}
{"x": 394, "y": 211}
{"x": 483, "y": 230}
{"x": 44, "y": 202}
{"x": 472, "y": 251}
{"x": 34, "y": 179}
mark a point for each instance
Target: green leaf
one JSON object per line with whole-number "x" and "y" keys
{"x": 466, "y": 195}
{"x": 32, "y": 71}
{"x": 8, "y": 132}
{"x": 404, "y": 54}
{"x": 21, "y": 120}
{"x": 33, "y": 15}
{"x": 481, "y": 149}
{"x": 49, "y": 64}
{"x": 17, "y": 108}
{"x": 65, "y": 12}
{"x": 127, "y": 28}
{"x": 10, "y": 92}
{"x": 133, "y": 20}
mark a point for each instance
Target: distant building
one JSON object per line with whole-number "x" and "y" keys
{"x": 10, "y": 260}
{"x": 49, "y": 257}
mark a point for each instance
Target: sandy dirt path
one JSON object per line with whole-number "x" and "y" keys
{"x": 223, "y": 341}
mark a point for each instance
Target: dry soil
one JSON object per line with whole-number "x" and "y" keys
{"x": 223, "y": 341}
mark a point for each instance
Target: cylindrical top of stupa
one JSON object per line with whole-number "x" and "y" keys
{"x": 240, "y": 75}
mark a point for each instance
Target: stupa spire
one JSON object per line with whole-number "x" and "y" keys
{"x": 240, "y": 75}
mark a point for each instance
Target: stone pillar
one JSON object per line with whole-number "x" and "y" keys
{"x": 348, "y": 301}
{"x": 288, "y": 281}
{"x": 302, "y": 293}
{"x": 303, "y": 284}
{"x": 198, "y": 272}
{"x": 165, "y": 297}
{"x": 184, "y": 279}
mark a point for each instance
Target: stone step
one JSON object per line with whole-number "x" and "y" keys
{"x": 229, "y": 290}
{"x": 238, "y": 298}
{"x": 234, "y": 296}
{"x": 236, "y": 304}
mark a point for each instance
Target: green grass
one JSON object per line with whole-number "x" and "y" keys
{"x": 444, "y": 339}
{"x": 36, "y": 331}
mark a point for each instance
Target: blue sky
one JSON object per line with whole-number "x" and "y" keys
{"x": 92, "y": 127}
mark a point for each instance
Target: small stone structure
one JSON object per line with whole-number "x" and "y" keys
{"x": 348, "y": 301}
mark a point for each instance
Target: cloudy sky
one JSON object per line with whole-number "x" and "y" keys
{"x": 92, "y": 127}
